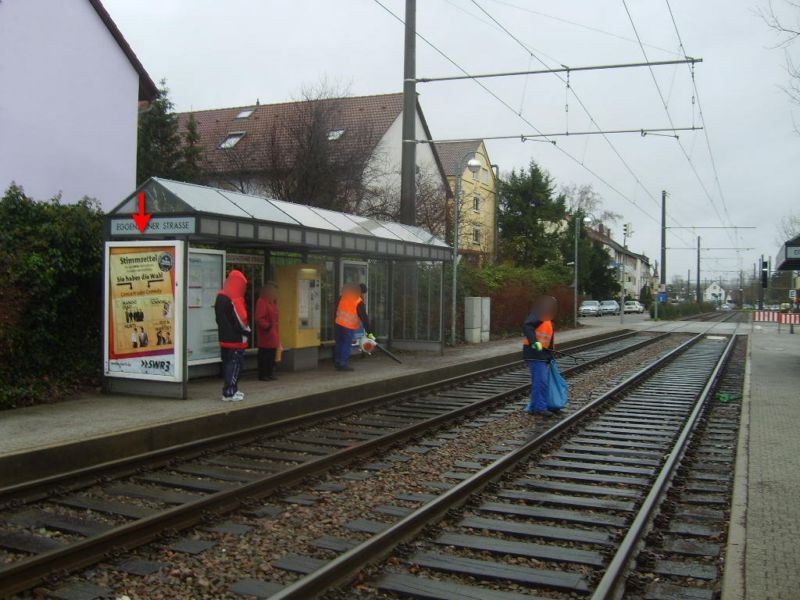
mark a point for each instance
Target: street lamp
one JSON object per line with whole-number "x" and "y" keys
{"x": 586, "y": 220}
{"x": 474, "y": 165}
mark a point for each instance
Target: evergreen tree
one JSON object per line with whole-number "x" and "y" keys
{"x": 646, "y": 295}
{"x": 531, "y": 218}
{"x": 601, "y": 282}
{"x": 159, "y": 150}
{"x": 191, "y": 162}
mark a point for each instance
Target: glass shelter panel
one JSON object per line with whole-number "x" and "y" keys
{"x": 417, "y": 304}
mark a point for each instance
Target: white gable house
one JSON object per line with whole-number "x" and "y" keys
{"x": 715, "y": 293}
{"x": 71, "y": 88}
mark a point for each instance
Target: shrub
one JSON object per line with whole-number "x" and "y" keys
{"x": 676, "y": 311}
{"x": 513, "y": 290}
{"x": 50, "y": 299}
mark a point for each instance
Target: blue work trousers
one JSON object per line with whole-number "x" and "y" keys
{"x": 539, "y": 385}
{"x": 232, "y": 363}
{"x": 344, "y": 342}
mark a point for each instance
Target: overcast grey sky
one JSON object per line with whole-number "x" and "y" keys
{"x": 215, "y": 54}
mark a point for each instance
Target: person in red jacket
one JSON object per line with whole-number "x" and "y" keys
{"x": 231, "y": 314}
{"x": 268, "y": 335}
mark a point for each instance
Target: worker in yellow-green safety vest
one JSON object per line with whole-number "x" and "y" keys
{"x": 537, "y": 351}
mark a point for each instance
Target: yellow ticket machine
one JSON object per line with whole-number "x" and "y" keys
{"x": 299, "y": 302}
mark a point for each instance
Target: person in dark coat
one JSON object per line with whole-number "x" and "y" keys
{"x": 231, "y": 315}
{"x": 268, "y": 335}
{"x": 537, "y": 351}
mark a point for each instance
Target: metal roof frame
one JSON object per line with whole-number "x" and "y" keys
{"x": 211, "y": 215}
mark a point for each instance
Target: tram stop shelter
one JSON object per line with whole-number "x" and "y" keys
{"x": 161, "y": 284}
{"x": 788, "y": 258}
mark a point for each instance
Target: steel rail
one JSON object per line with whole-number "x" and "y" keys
{"x": 382, "y": 544}
{"x": 31, "y": 491}
{"x": 610, "y": 586}
{"x": 24, "y": 574}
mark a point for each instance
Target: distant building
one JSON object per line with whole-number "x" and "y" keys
{"x": 71, "y": 92}
{"x": 478, "y": 216}
{"x": 637, "y": 270}
{"x": 715, "y": 293}
{"x": 243, "y": 147}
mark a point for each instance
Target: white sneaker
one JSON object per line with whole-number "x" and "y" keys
{"x": 238, "y": 396}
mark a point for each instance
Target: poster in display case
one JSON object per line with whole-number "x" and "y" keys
{"x": 143, "y": 310}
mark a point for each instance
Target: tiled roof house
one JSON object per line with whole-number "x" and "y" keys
{"x": 239, "y": 143}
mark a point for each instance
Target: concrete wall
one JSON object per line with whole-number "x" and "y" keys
{"x": 68, "y": 106}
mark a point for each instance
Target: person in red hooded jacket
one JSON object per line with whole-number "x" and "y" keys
{"x": 268, "y": 335}
{"x": 231, "y": 313}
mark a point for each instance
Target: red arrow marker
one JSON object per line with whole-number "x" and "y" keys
{"x": 141, "y": 219}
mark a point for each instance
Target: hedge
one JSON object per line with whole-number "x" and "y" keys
{"x": 50, "y": 299}
{"x": 513, "y": 290}
{"x": 669, "y": 312}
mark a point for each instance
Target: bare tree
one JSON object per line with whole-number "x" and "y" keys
{"x": 788, "y": 228}
{"x": 317, "y": 154}
{"x": 583, "y": 198}
{"x": 238, "y": 172}
{"x": 382, "y": 196}
{"x": 788, "y": 30}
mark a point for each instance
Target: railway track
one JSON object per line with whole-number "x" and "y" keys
{"x": 73, "y": 520}
{"x": 562, "y": 514}
{"x": 720, "y": 316}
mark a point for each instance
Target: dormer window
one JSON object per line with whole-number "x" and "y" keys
{"x": 232, "y": 139}
{"x": 245, "y": 113}
{"x": 335, "y": 134}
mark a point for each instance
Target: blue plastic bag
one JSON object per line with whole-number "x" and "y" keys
{"x": 557, "y": 388}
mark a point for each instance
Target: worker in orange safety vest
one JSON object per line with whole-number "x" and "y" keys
{"x": 537, "y": 351}
{"x": 351, "y": 315}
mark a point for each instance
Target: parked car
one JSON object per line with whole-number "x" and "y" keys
{"x": 633, "y": 306}
{"x": 609, "y": 307}
{"x": 726, "y": 306}
{"x": 589, "y": 308}
{"x": 747, "y": 306}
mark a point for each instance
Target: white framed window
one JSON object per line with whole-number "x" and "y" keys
{"x": 232, "y": 139}
{"x": 476, "y": 234}
{"x": 485, "y": 175}
{"x": 476, "y": 204}
{"x": 335, "y": 134}
{"x": 245, "y": 113}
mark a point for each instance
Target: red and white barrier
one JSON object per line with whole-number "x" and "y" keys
{"x": 768, "y": 316}
{"x": 773, "y": 316}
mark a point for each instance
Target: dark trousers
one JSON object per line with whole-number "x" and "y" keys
{"x": 266, "y": 362}
{"x": 344, "y": 342}
{"x": 232, "y": 363}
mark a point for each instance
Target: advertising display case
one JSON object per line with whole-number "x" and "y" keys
{"x": 144, "y": 296}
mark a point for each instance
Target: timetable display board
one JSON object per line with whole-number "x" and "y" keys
{"x": 143, "y": 310}
{"x": 205, "y": 279}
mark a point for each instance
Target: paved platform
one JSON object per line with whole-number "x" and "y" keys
{"x": 121, "y": 424}
{"x": 761, "y": 558}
